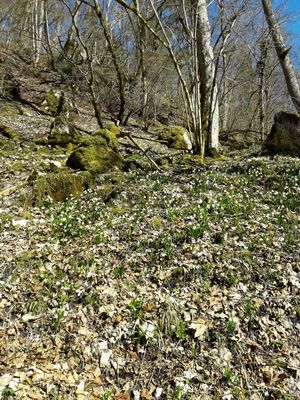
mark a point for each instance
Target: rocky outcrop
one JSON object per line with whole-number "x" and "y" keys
{"x": 98, "y": 154}
{"x": 284, "y": 137}
{"x": 176, "y": 137}
{"x": 60, "y": 186}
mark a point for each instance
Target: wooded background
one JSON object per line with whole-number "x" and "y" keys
{"x": 211, "y": 65}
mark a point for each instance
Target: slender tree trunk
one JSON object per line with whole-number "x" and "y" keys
{"x": 34, "y": 31}
{"x": 225, "y": 103}
{"x": 261, "y": 66}
{"x": 144, "y": 75}
{"x": 209, "y": 93}
{"x": 47, "y": 34}
{"x": 37, "y": 29}
{"x": 282, "y": 53}
{"x": 119, "y": 69}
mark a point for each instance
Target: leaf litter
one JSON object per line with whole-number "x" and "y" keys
{"x": 185, "y": 284}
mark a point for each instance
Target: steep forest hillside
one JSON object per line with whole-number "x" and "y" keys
{"x": 177, "y": 283}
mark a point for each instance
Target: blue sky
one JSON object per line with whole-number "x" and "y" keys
{"x": 290, "y": 12}
{"x": 291, "y": 8}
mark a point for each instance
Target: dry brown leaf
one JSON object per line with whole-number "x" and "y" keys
{"x": 121, "y": 396}
{"x": 200, "y": 326}
{"x": 145, "y": 394}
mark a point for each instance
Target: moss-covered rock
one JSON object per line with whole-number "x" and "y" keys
{"x": 176, "y": 136}
{"x": 105, "y": 137}
{"x": 95, "y": 157}
{"x": 59, "y": 186}
{"x": 9, "y": 133}
{"x": 62, "y": 132}
{"x": 51, "y": 101}
{"x": 112, "y": 127}
{"x": 137, "y": 162}
{"x": 6, "y": 147}
{"x": 191, "y": 160}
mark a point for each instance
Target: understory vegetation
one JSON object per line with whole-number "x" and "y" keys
{"x": 175, "y": 285}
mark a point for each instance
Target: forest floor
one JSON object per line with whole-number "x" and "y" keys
{"x": 181, "y": 284}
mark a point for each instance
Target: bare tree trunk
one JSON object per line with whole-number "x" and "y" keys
{"x": 119, "y": 68}
{"x": 47, "y": 34}
{"x": 144, "y": 77}
{"x": 261, "y": 66}
{"x": 90, "y": 79}
{"x": 282, "y": 53}
{"x": 34, "y": 31}
{"x": 209, "y": 93}
{"x": 225, "y": 103}
{"x": 37, "y": 29}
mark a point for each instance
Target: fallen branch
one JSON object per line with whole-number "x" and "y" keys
{"x": 12, "y": 189}
{"x": 143, "y": 151}
{"x": 7, "y": 192}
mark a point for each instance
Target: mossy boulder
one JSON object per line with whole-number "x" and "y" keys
{"x": 105, "y": 137}
{"x": 51, "y": 101}
{"x": 112, "y": 127}
{"x": 191, "y": 161}
{"x": 98, "y": 154}
{"x": 62, "y": 132}
{"x": 60, "y": 186}
{"x": 176, "y": 137}
{"x": 136, "y": 162}
{"x": 284, "y": 137}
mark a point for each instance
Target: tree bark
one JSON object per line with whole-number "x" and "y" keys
{"x": 117, "y": 64}
{"x": 209, "y": 93}
{"x": 282, "y": 53}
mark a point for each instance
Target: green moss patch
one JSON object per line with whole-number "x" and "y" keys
{"x": 6, "y": 147}
{"x": 9, "y": 133}
{"x": 175, "y": 136}
{"x": 106, "y": 137}
{"x": 95, "y": 158}
{"x": 61, "y": 186}
{"x": 112, "y": 127}
{"x": 137, "y": 162}
{"x": 51, "y": 101}
{"x": 63, "y": 132}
